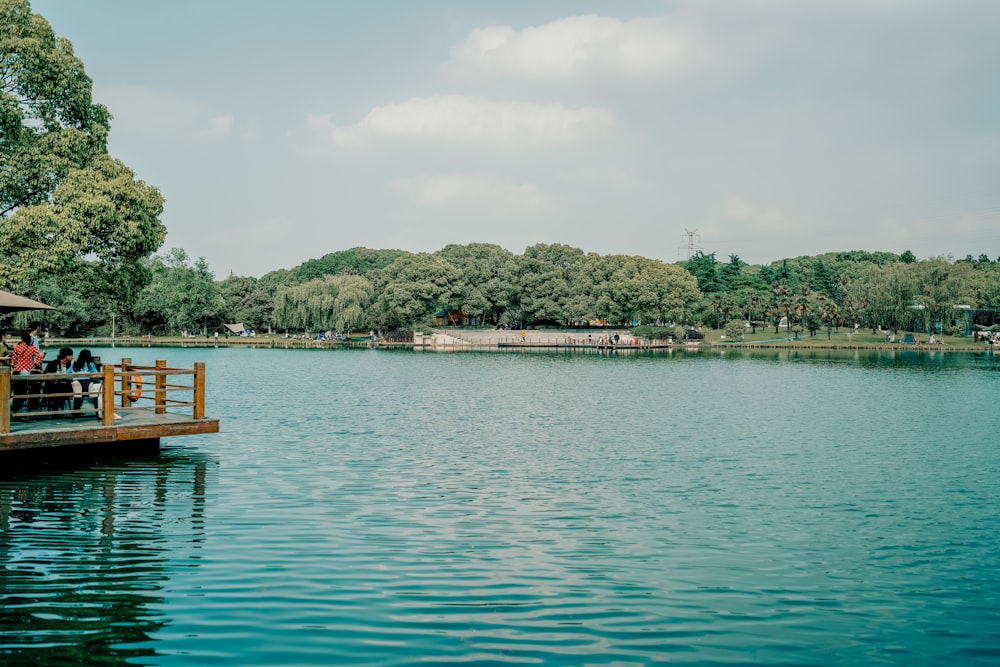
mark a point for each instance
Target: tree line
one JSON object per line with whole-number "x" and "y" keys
{"x": 362, "y": 288}
{"x": 869, "y": 289}
{"x": 547, "y": 285}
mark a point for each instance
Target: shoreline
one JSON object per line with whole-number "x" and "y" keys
{"x": 458, "y": 344}
{"x": 890, "y": 347}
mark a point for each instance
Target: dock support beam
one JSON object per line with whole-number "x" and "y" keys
{"x": 161, "y": 387}
{"x": 108, "y": 395}
{"x": 126, "y": 383}
{"x": 199, "y": 390}
{"x": 5, "y": 402}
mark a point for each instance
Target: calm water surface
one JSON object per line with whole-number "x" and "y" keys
{"x": 387, "y": 508}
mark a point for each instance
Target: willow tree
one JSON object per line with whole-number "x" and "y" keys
{"x": 63, "y": 200}
{"x": 941, "y": 285}
{"x": 887, "y": 294}
{"x": 337, "y": 302}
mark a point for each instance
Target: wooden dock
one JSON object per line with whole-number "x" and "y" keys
{"x": 136, "y": 406}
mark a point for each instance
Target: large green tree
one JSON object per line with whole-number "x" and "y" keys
{"x": 62, "y": 197}
{"x": 183, "y": 295}
{"x": 413, "y": 288}
{"x": 248, "y": 300}
{"x": 488, "y": 286}
{"x": 637, "y": 289}
{"x": 359, "y": 261}
{"x": 705, "y": 269}
{"x": 555, "y": 284}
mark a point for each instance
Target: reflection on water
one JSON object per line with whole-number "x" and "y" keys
{"x": 914, "y": 359}
{"x": 374, "y": 507}
{"x": 84, "y": 552}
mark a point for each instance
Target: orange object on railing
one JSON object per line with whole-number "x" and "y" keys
{"x": 136, "y": 388}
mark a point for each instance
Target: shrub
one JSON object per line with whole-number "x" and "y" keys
{"x": 650, "y": 332}
{"x": 735, "y": 329}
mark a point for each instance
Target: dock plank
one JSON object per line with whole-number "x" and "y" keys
{"x": 141, "y": 424}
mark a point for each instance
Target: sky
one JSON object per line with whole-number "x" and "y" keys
{"x": 280, "y": 132}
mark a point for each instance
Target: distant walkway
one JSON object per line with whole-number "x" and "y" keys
{"x": 494, "y": 338}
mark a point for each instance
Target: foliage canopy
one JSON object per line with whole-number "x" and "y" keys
{"x": 63, "y": 199}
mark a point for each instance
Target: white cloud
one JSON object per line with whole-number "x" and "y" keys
{"x": 264, "y": 233}
{"x": 147, "y": 111}
{"x": 142, "y": 111}
{"x": 255, "y": 234}
{"x": 852, "y": 6}
{"x": 759, "y": 218}
{"x": 583, "y": 46}
{"x": 985, "y": 221}
{"x": 220, "y": 125}
{"x": 598, "y": 173}
{"x": 466, "y": 120}
{"x": 249, "y": 131}
{"x": 895, "y": 6}
{"x": 461, "y": 189}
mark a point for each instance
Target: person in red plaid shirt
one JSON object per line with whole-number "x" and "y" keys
{"x": 25, "y": 357}
{"x": 23, "y": 360}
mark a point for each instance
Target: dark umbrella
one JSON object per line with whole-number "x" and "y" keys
{"x": 10, "y": 303}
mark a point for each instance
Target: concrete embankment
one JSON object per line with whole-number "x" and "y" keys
{"x": 492, "y": 339}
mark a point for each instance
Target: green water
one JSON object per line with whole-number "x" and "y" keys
{"x": 378, "y": 507}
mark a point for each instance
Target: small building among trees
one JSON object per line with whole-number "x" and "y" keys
{"x": 452, "y": 317}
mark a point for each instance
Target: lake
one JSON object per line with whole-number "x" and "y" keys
{"x": 377, "y": 507}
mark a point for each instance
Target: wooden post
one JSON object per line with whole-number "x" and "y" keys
{"x": 199, "y": 390}
{"x": 126, "y": 383}
{"x": 161, "y": 387}
{"x": 5, "y": 399}
{"x": 108, "y": 395}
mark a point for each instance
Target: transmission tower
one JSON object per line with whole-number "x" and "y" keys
{"x": 692, "y": 247}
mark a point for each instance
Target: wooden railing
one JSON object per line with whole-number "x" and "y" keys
{"x": 124, "y": 387}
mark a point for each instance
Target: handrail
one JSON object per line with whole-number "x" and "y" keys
{"x": 153, "y": 370}
{"x": 117, "y": 381}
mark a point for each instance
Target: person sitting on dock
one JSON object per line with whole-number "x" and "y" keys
{"x": 62, "y": 364}
{"x": 85, "y": 363}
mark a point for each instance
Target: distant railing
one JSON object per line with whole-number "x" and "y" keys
{"x": 124, "y": 387}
